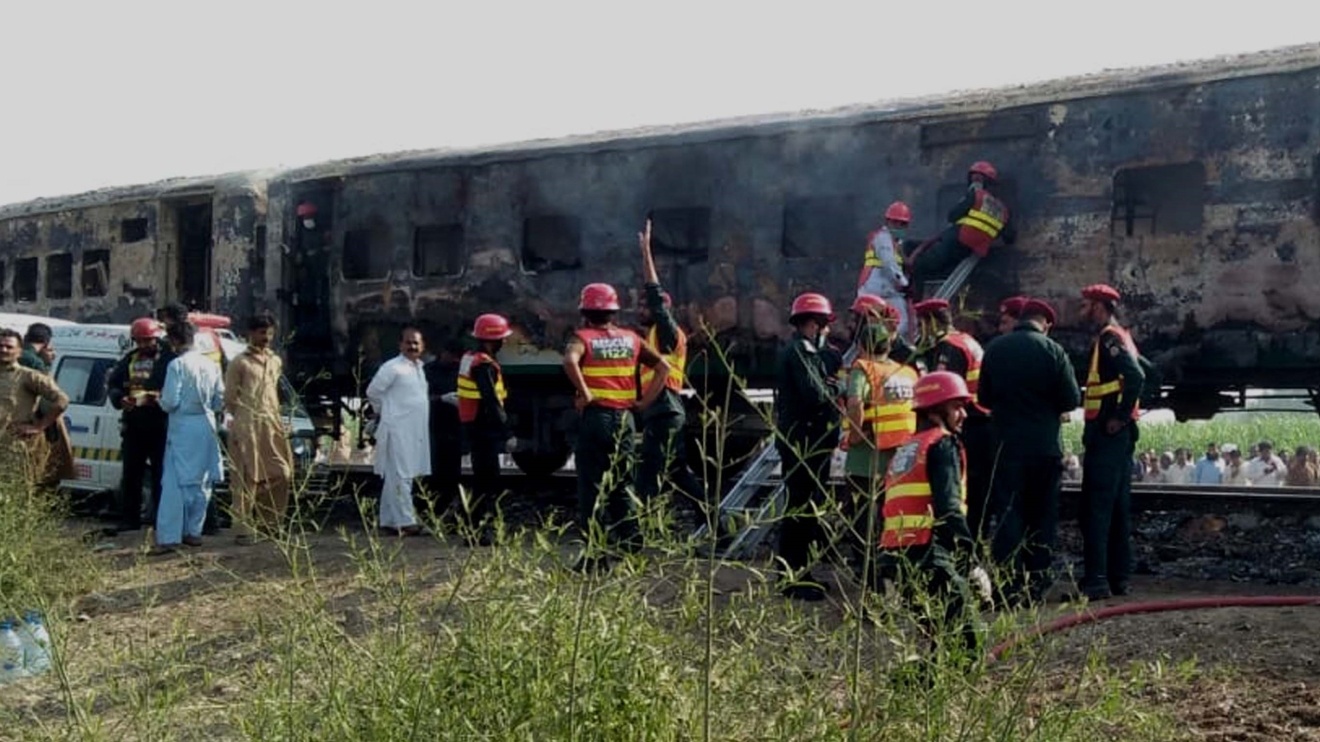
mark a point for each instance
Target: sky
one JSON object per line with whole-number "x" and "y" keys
{"x": 113, "y": 93}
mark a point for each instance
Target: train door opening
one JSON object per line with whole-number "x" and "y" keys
{"x": 194, "y": 277}
{"x": 309, "y": 265}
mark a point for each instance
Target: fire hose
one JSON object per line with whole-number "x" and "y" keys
{"x": 1153, "y": 606}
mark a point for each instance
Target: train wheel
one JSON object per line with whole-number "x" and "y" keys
{"x": 541, "y": 463}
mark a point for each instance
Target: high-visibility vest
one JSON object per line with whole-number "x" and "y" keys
{"x": 909, "y": 509}
{"x": 469, "y": 394}
{"x": 140, "y": 368}
{"x": 972, "y": 354}
{"x": 609, "y": 365}
{"x": 983, "y": 222}
{"x": 889, "y": 410}
{"x": 677, "y": 359}
{"x": 1098, "y": 389}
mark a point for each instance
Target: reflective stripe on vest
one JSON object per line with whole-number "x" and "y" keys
{"x": 609, "y": 365}
{"x": 982, "y": 223}
{"x": 1097, "y": 390}
{"x": 469, "y": 394}
{"x": 909, "y": 511}
{"x": 677, "y": 360}
{"x": 889, "y": 410}
{"x": 972, "y": 355}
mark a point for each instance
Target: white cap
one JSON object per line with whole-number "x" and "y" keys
{"x": 1229, "y": 448}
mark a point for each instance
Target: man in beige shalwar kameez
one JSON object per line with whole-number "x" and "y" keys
{"x": 259, "y": 452}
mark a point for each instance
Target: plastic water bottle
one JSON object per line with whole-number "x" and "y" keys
{"x": 36, "y": 644}
{"x": 11, "y": 653}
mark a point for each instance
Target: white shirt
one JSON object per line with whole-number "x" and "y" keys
{"x": 398, "y": 393}
{"x": 882, "y": 272}
{"x": 1236, "y": 476}
{"x": 1178, "y": 474}
{"x": 1257, "y": 475}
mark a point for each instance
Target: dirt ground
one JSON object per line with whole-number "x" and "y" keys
{"x": 1226, "y": 674}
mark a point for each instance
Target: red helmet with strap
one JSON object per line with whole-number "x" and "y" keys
{"x": 898, "y": 212}
{"x": 491, "y": 327}
{"x": 984, "y": 169}
{"x": 144, "y": 328}
{"x": 600, "y": 297}
{"x": 811, "y": 303}
{"x": 938, "y": 387}
{"x": 869, "y": 304}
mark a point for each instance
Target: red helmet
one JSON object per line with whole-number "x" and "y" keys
{"x": 898, "y": 212}
{"x": 930, "y": 306}
{"x": 599, "y": 296}
{"x": 145, "y": 328}
{"x": 811, "y": 304}
{"x": 669, "y": 300}
{"x": 1101, "y": 292}
{"x": 306, "y": 209}
{"x": 869, "y": 304}
{"x": 984, "y": 169}
{"x": 491, "y": 327}
{"x": 938, "y": 387}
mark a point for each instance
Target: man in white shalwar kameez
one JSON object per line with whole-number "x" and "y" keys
{"x": 398, "y": 394}
{"x": 192, "y": 395}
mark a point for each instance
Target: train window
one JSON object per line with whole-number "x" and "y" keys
{"x": 95, "y": 272}
{"x": 438, "y": 250}
{"x": 132, "y": 230}
{"x": 59, "y": 276}
{"x": 367, "y": 254}
{"x": 25, "y": 279}
{"x": 1315, "y": 196}
{"x": 551, "y": 243}
{"x": 684, "y": 232}
{"x": 3, "y": 286}
{"x": 819, "y": 226}
{"x": 1160, "y": 199}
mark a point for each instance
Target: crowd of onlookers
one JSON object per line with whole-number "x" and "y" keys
{"x": 1222, "y": 464}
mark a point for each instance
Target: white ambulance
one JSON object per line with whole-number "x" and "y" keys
{"x": 85, "y": 354}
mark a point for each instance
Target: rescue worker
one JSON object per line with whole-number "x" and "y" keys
{"x": 446, "y": 430}
{"x": 664, "y": 444}
{"x": 882, "y": 266}
{"x": 134, "y": 387}
{"x": 1029, "y": 386}
{"x": 975, "y": 223}
{"x": 601, "y": 361}
{"x": 950, "y": 349}
{"x": 1109, "y": 436}
{"x": 880, "y": 417}
{"x": 38, "y": 354}
{"x": 807, "y": 417}
{"x": 481, "y": 396}
{"x": 1010, "y": 313}
{"x": 21, "y": 418}
{"x": 925, "y": 536}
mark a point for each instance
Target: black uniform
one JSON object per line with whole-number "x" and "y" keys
{"x": 948, "y": 251}
{"x": 664, "y": 440}
{"x": 807, "y": 415}
{"x": 1027, "y": 382}
{"x": 486, "y": 438}
{"x": 446, "y": 433}
{"x": 143, "y": 429}
{"x": 1106, "y": 518}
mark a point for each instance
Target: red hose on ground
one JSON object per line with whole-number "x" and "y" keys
{"x": 1154, "y": 606}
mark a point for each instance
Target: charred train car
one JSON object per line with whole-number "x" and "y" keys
{"x": 1195, "y": 189}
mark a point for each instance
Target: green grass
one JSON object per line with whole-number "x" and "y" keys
{"x": 1286, "y": 431}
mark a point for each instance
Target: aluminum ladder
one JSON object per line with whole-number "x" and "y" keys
{"x": 738, "y": 510}
{"x": 957, "y": 278}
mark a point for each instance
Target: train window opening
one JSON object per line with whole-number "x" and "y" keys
{"x": 195, "y": 255}
{"x": 132, "y": 230}
{"x": 1160, "y": 199}
{"x": 95, "y": 272}
{"x": 817, "y": 226}
{"x": 683, "y": 232}
{"x": 438, "y": 250}
{"x": 25, "y": 279}
{"x": 551, "y": 243}
{"x": 59, "y": 276}
{"x": 3, "y": 286}
{"x": 367, "y": 254}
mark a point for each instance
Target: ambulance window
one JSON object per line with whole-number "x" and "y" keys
{"x": 25, "y": 279}
{"x": 59, "y": 276}
{"x": 84, "y": 379}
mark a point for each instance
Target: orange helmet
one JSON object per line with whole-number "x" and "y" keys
{"x": 938, "y": 387}
{"x": 810, "y": 303}
{"x": 491, "y": 327}
{"x": 600, "y": 297}
{"x": 898, "y": 212}
{"x": 984, "y": 169}
{"x": 144, "y": 328}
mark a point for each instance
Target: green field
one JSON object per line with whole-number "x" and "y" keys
{"x": 1286, "y": 430}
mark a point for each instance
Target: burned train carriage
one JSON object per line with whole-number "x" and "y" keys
{"x": 1192, "y": 188}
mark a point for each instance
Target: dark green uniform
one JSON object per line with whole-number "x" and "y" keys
{"x": 1106, "y": 519}
{"x": 807, "y": 416}
{"x": 1027, "y": 382}
{"x": 664, "y": 440}
{"x": 31, "y": 360}
{"x": 976, "y": 436}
